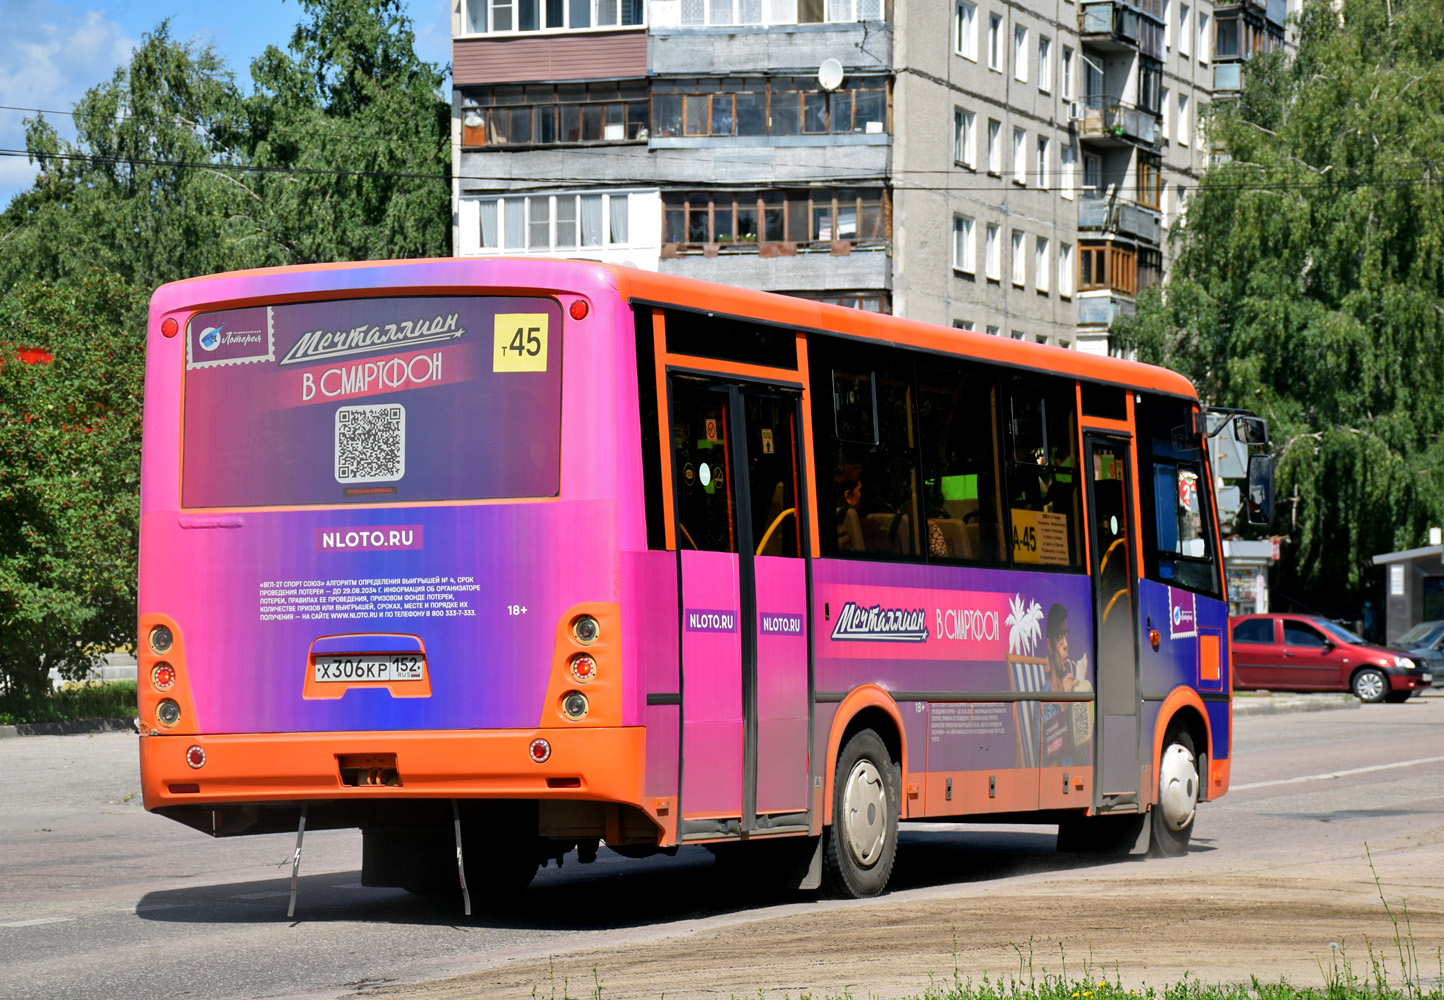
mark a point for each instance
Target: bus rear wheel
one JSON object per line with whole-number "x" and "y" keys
{"x": 1178, "y": 790}
{"x": 859, "y": 847}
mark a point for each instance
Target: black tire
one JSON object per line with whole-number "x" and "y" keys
{"x": 499, "y": 868}
{"x": 1370, "y": 685}
{"x": 859, "y": 847}
{"x": 1172, "y": 816}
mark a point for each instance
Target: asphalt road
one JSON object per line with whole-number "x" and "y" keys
{"x": 99, "y": 899}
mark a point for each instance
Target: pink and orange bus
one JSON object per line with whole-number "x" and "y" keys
{"x": 502, "y": 559}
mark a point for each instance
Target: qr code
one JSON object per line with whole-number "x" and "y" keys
{"x": 370, "y": 443}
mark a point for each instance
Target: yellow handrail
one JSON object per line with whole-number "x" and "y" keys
{"x": 767, "y": 535}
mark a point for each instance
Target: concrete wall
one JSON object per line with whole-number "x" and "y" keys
{"x": 795, "y": 48}
{"x": 805, "y": 272}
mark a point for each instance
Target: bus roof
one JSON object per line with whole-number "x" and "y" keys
{"x": 652, "y": 288}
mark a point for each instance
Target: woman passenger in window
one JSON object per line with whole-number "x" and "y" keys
{"x": 856, "y": 532}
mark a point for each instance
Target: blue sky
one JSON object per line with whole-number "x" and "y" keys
{"x": 52, "y": 51}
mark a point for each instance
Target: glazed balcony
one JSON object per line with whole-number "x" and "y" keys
{"x": 1108, "y": 121}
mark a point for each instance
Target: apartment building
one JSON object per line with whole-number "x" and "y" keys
{"x": 1004, "y": 166}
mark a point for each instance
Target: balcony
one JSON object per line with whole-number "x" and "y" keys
{"x": 1111, "y": 122}
{"x": 1228, "y": 76}
{"x": 1118, "y": 216}
{"x": 1117, "y": 27}
{"x": 1102, "y": 308}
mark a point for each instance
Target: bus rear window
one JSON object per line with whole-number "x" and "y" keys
{"x": 378, "y": 400}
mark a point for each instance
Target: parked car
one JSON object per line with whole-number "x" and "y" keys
{"x": 1306, "y": 653}
{"x": 1425, "y": 641}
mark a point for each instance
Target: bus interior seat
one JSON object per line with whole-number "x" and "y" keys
{"x": 849, "y": 531}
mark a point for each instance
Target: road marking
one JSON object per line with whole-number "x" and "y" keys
{"x": 1335, "y": 774}
{"x": 35, "y": 922}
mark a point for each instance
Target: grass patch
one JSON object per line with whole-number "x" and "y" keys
{"x": 85, "y": 700}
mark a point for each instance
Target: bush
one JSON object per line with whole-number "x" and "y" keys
{"x": 88, "y": 700}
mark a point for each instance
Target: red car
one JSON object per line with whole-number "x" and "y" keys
{"x": 1306, "y": 653}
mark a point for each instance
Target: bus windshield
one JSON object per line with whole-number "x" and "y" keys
{"x": 372, "y": 400}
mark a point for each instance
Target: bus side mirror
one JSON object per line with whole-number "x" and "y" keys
{"x": 1251, "y": 430}
{"x": 1260, "y": 496}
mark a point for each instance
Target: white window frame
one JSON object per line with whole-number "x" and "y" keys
{"x": 993, "y": 251}
{"x": 1065, "y": 270}
{"x": 1166, "y": 132}
{"x": 1040, "y": 263}
{"x": 995, "y": 147}
{"x": 965, "y": 138}
{"x": 1020, "y": 53}
{"x": 1019, "y": 259}
{"x": 1167, "y": 25}
{"x": 993, "y": 331}
{"x": 550, "y": 200}
{"x": 1020, "y": 157}
{"x": 1183, "y": 119}
{"x": 1203, "y": 40}
{"x": 965, "y": 244}
{"x": 995, "y": 42}
{"x": 1068, "y": 74}
{"x": 965, "y": 31}
{"x": 595, "y": 8}
{"x": 1185, "y": 28}
{"x": 1045, "y": 151}
{"x": 1068, "y": 171}
{"x": 1045, "y": 64}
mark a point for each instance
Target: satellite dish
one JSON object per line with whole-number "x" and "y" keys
{"x": 829, "y": 74}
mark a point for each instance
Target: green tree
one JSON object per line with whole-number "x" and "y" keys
{"x": 1308, "y": 285}
{"x": 69, "y": 476}
{"x": 341, "y": 152}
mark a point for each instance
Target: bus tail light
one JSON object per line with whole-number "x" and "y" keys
{"x": 579, "y": 309}
{"x": 540, "y": 751}
{"x": 196, "y": 756}
{"x": 583, "y": 668}
{"x": 162, "y": 676}
{"x": 575, "y": 705}
{"x": 161, "y": 639}
{"x": 168, "y": 712}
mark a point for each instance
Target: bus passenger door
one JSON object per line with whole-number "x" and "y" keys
{"x": 736, "y": 469}
{"x": 1115, "y": 586}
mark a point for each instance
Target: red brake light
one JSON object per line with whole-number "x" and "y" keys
{"x": 162, "y": 677}
{"x": 579, "y": 309}
{"x": 583, "y": 668}
{"x": 540, "y": 750}
{"x": 169, "y": 327}
{"x": 196, "y": 756}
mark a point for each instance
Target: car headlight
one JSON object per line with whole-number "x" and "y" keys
{"x": 1404, "y": 662}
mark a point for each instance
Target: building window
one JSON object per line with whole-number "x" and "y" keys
{"x": 775, "y": 106}
{"x": 1183, "y": 119}
{"x": 1043, "y": 162}
{"x": 963, "y": 324}
{"x": 1020, "y": 156}
{"x": 995, "y": 147}
{"x": 1067, "y": 73}
{"x": 993, "y": 331}
{"x": 965, "y": 138}
{"x": 1065, "y": 270}
{"x": 701, "y": 13}
{"x": 1150, "y": 83}
{"x": 1185, "y": 29}
{"x": 1045, "y": 63}
{"x": 1107, "y": 266}
{"x": 995, "y": 42}
{"x": 994, "y": 252}
{"x": 1068, "y": 170}
{"x": 1150, "y": 181}
{"x": 1198, "y": 132}
{"x": 1202, "y": 37}
{"x": 1092, "y": 172}
{"x": 1020, "y": 54}
{"x": 1040, "y": 264}
{"x": 877, "y": 302}
{"x": 1167, "y": 24}
{"x": 965, "y": 42}
{"x": 741, "y": 220}
{"x": 493, "y": 17}
{"x": 1019, "y": 262}
{"x": 555, "y": 114}
{"x": 554, "y": 221}
{"x": 1167, "y": 129}
{"x": 964, "y": 245}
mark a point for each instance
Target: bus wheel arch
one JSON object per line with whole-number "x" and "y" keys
{"x": 864, "y": 707}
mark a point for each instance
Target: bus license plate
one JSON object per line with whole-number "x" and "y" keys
{"x": 405, "y": 667}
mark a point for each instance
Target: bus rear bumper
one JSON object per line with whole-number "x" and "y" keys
{"x": 586, "y": 764}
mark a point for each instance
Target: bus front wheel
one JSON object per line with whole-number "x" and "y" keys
{"x": 1178, "y": 790}
{"x": 860, "y": 845}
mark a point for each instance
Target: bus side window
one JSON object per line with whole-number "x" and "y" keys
{"x": 1044, "y": 501}
{"x": 1177, "y": 547}
{"x": 866, "y": 448}
{"x": 958, "y": 428}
